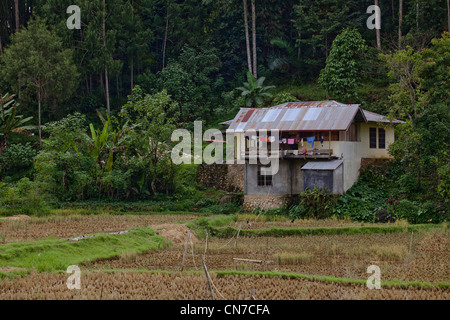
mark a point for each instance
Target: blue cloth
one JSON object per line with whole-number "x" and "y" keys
{"x": 311, "y": 141}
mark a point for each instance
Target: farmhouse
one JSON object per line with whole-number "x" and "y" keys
{"x": 319, "y": 144}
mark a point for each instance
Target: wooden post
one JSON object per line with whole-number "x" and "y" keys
{"x": 410, "y": 243}
{"x": 206, "y": 246}
{"x": 185, "y": 249}
{"x": 329, "y": 142}
{"x": 208, "y": 279}
{"x": 237, "y": 236}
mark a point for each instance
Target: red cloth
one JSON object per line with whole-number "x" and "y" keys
{"x": 304, "y": 151}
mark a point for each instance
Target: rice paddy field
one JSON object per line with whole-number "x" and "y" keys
{"x": 247, "y": 257}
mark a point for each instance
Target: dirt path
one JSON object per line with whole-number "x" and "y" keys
{"x": 177, "y": 233}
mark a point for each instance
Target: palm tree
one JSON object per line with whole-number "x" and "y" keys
{"x": 10, "y": 121}
{"x": 254, "y": 91}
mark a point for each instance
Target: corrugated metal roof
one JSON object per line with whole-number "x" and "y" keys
{"x": 328, "y": 103}
{"x": 323, "y": 165}
{"x": 298, "y": 116}
{"x": 375, "y": 117}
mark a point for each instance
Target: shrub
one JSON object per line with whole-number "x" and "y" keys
{"x": 384, "y": 216}
{"x": 432, "y": 212}
{"x": 25, "y": 197}
{"x": 284, "y": 97}
{"x": 316, "y": 203}
{"x": 17, "y": 160}
{"x": 408, "y": 210}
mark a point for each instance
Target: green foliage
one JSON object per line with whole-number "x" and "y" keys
{"x": 406, "y": 94}
{"x": 37, "y": 66}
{"x": 17, "y": 161}
{"x": 254, "y": 91}
{"x": 316, "y": 203}
{"x": 317, "y": 22}
{"x": 56, "y": 255}
{"x": 417, "y": 213}
{"x": 228, "y": 232}
{"x": 24, "y": 197}
{"x": 126, "y": 158}
{"x": 192, "y": 80}
{"x": 11, "y": 121}
{"x": 283, "y": 97}
{"x": 435, "y": 71}
{"x": 369, "y": 195}
{"x": 341, "y": 75}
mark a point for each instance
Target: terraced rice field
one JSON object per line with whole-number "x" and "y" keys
{"x": 188, "y": 286}
{"x": 30, "y": 229}
{"x": 413, "y": 265}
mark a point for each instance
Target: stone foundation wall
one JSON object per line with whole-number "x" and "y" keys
{"x": 222, "y": 177}
{"x": 265, "y": 202}
{"x": 372, "y": 162}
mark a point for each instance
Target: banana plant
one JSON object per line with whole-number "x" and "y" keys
{"x": 254, "y": 91}
{"x": 10, "y": 121}
{"x": 107, "y": 141}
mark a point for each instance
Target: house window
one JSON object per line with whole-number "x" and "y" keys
{"x": 381, "y": 139}
{"x": 264, "y": 180}
{"x": 373, "y": 138}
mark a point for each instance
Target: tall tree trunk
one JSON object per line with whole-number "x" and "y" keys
{"x": 255, "y": 63}
{"x": 132, "y": 73}
{"x": 378, "y": 32}
{"x": 393, "y": 12}
{"x": 16, "y": 6}
{"x": 165, "y": 38}
{"x": 132, "y": 58}
{"x": 448, "y": 14}
{"x": 117, "y": 86}
{"x": 247, "y": 38}
{"x": 3, "y": 144}
{"x": 108, "y": 108}
{"x": 299, "y": 52}
{"x": 417, "y": 15}
{"x": 1, "y": 46}
{"x": 39, "y": 117}
{"x": 102, "y": 83}
{"x": 400, "y": 20}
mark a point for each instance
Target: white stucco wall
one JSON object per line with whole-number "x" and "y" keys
{"x": 351, "y": 152}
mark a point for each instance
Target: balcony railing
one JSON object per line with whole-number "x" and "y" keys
{"x": 289, "y": 154}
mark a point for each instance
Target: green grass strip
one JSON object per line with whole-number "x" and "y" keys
{"x": 332, "y": 279}
{"x": 57, "y": 254}
{"x": 316, "y": 231}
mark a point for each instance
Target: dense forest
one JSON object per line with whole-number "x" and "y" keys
{"x": 88, "y": 113}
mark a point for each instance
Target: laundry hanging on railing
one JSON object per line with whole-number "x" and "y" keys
{"x": 311, "y": 141}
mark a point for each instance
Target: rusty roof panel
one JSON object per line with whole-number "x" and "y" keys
{"x": 334, "y": 116}
{"x": 375, "y": 117}
{"x": 298, "y": 116}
